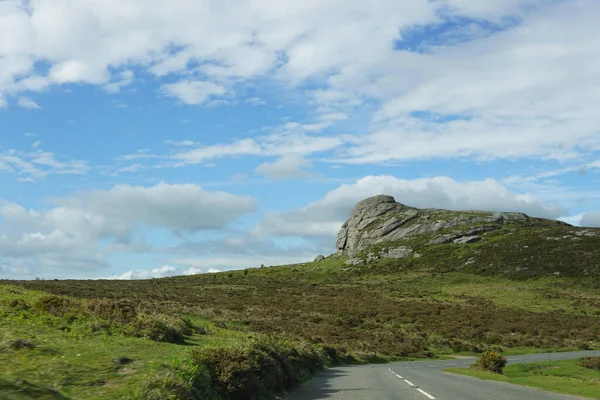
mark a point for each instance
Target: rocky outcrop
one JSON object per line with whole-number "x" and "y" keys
{"x": 381, "y": 219}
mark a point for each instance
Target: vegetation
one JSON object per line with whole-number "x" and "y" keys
{"x": 490, "y": 361}
{"x": 558, "y": 376}
{"x": 590, "y": 363}
{"x": 211, "y": 336}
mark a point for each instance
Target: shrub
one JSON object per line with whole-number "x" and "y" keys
{"x": 155, "y": 328}
{"x": 120, "y": 311}
{"x": 184, "y": 381}
{"x": 490, "y": 361}
{"x": 590, "y": 362}
{"x": 267, "y": 365}
{"x": 56, "y": 305}
{"x": 231, "y": 368}
{"x": 19, "y": 304}
{"x": 19, "y": 344}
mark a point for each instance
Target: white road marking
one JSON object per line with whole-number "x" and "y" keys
{"x": 395, "y": 373}
{"x": 426, "y": 394}
{"x": 413, "y": 385}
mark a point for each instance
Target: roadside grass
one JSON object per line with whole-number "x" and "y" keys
{"x": 66, "y": 359}
{"x": 518, "y": 351}
{"x": 564, "y": 377}
{"x": 57, "y": 354}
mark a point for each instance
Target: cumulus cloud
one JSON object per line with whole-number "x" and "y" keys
{"x": 69, "y": 235}
{"x": 286, "y": 167}
{"x": 516, "y": 85}
{"x": 324, "y": 217}
{"x": 161, "y": 272}
{"x": 184, "y": 208}
{"x": 236, "y": 261}
{"x": 590, "y": 219}
{"x": 193, "y": 92}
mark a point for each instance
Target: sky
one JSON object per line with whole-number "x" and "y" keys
{"x": 143, "y": 138}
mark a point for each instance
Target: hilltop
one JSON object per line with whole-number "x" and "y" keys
{"x": 382, "y": 232}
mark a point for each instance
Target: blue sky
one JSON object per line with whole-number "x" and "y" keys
{"x": 142, "y": 139}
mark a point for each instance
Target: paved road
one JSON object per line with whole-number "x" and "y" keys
{"x": 423, "y": 380}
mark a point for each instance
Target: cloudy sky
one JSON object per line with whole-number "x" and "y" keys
{"x": 143, "y": 138}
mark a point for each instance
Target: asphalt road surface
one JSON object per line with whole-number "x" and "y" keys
{"x": 424, "y": 380}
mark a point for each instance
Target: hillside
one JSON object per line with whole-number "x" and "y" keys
{"x": 404, "y": 283}
{"x": 385, "y": 235}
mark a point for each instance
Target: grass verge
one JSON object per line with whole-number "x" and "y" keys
{"x": 564, "y": 377}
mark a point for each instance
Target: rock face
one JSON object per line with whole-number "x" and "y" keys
{"x": 381, "y": 219}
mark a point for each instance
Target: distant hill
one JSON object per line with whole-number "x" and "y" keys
{"x": 384, "y": 233}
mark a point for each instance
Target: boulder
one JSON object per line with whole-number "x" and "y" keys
{"x": 381, "y": 219}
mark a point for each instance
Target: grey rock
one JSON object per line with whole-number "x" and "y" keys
{"x": 399, "y": 252}
{"x": 467, "y": 239}
{"x": 320, "y": 257}
{"x": 586, "y": 233}
{"x": 381, "y": 219}
{"x": 355, "y": 262}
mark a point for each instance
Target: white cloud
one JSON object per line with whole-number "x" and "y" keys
{"x": 286, "y": 167}
{"x": 491, "y": 10}
{"x": 125, "y": 78}
{"x": 292, "y": 141}
{"x": 25, "y": 102}
{"x": 68, "y": 237}
{"x": 161, "y": 272}
{"x": 36, "y": 144}
{"x": 590, "y": 219}
{"x": 236, "y": 261}
{"x": 573, "y": 219}
{"x": 128, "y": 169}
{"x": 255, "y": 101}
{"x": 3, "y": 102}
{"x": 182, "y": 143}
{"x": 193, "y": 92}
{"x": 525, "y": 91}
{"x": 324, "y": 217}
{"x": 186, "y": 208}
{"x": 38, "y": 164}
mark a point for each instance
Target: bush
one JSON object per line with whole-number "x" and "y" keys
{"x": 261, "y": 366}
{"x": 19, "y": 304}
{"x": 155, "y": 328}
{"x": 18, "y": 344}
{"x": 119, "y": 311}
{"x": 231, "y": 369}
{"x": 184, "y": 381}
{"x": 490, "y": 361}
{"x": 56, "y": 305}
{"x": 590, "y": 362}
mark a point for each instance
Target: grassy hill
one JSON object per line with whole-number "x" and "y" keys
{"x": 520, "y": 288}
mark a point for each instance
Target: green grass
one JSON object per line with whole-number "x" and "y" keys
{"x": 564, "y": 377}
{"x": 71, "y": 361}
